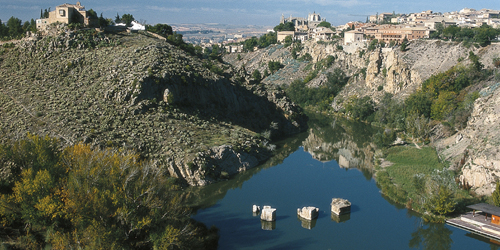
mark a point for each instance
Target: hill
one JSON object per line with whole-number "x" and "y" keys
{"x": 135, "y": 91}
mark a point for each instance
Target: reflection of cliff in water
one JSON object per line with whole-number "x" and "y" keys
{"x": 347, "y": 142}
{"x": 202, "y": 197}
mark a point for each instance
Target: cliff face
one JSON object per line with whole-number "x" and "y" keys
{"x": 476, "y": 149}
{"x": 473, "y": 152}
{"x": 140, "y": 93}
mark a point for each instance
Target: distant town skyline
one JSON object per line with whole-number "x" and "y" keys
{"x": 250, "y": 12}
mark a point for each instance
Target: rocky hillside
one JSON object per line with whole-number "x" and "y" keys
{"x": 473, "y": 152}
{"x": 141, "y": 93}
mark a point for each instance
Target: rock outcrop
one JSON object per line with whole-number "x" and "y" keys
{"x": 476, "y": 149}
{"x": 141, "y": 93}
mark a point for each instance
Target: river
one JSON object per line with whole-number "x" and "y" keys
{"x": 306, "y": 172}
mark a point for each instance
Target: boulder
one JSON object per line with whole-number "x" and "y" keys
{"x": 268, "y": 214}
{"x": 340, "y": 206}
{"x": 308, "y": 213}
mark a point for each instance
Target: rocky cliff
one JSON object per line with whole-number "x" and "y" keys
{"x": 473, "y": 152}
{"x": 202, "y": 119}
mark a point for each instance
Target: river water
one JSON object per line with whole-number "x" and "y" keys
{"x": 306, "y": 172}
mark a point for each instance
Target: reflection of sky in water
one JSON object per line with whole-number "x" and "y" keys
{"x": 299, "y": 181}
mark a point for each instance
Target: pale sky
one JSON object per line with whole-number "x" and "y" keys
{"x": 242, "y": 12}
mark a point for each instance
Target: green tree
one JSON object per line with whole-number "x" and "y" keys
{"x": 496, "y": 195}
{"x": 15, "y": 27}
{"x": 288, "y": 41}
{"x": 419, "y": 102}
{"x": 442, "y": 202}
{"x": 164, "y": 30}
{"x": 360, "y": 108}
{"x": 288, "y": 26}
{"x": 127, "y": 19}
{"x": 475, "y": 61}
{"x": 325, "y": 24}
{"x": 256, "y": 75}
{"x": 250, "y": 44}
{"x": 274, "y": 66}
{"x": 443, "y": 106}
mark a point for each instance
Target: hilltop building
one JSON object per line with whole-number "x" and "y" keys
{"x": 67, "y": 13}
{"x": 305, "y": 28}
{"x": 301, "y": 23}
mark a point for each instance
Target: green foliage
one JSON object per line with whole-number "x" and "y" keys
{"x": 164, "y": 30}
{"x": 288, "y": 26}
{"x": 496, "y": 195}
{"x": 384, "y": 139}
{"x": 256, "y": 75}
{"x": 267, "y": 39}
{"x": 419, "y": 103}
{"x": 127, "y": 19}
{"x": 443, "y": 106}
{"x": 306, "y": 57}
{"x": 297, "y": 47}
{"x": 372, "y": 45}
{"x": 482, "y": 35}
{"x": 360, "y": 108}
{"x": 321, "y": 96}
{"x": 418, "y": 174}
{"x": 442, "y": 202}
{"x": 324, "y": 24}
{"x": 404, "y": 44}
{"x": 288, "y": 41}
{"x": 250, "y": 44}
{"x": 274, "y": 66}
{"x": 70, "y": 198}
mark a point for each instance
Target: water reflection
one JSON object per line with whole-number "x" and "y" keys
{"x": 280, "y": 182}
{"x": 341, "y": 218}
{"x": 268, "y": 225}
{"x": 203, "y": 197}
{"x": 307, "y": 224}
{"x": 431, "y": 236}
{"x": 347, "y": 142}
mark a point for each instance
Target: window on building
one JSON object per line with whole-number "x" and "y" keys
{"x": 62, "y": 13}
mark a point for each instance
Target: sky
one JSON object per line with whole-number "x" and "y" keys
{"x": 242, "y": 12}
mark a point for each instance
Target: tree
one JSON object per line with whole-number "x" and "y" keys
{"x": 419, "y": 102}
{"x": 250, "y": 44}
{"x": 288, "y": 26}
{"x": 496, "y": 195}
{"x": 288, "y": 41}
{"x": 404, "y": 44}
{"x": 117, "y": 18}
{"x": 92, "y": 13}
{"x": 325, "y": 24}
{"x": 256, "y": 75}
{"x": 163, "y": 30}
{"x": 475, "y": 61}
{"x": 441, "y": 202}
{"x": 127, "y": 19}
{"x": 15, "y": 27}
{"x": 274, "y": 66}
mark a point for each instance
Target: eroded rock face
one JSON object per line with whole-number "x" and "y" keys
{"x": 478, "y": 145}
{"x": 217, "y": 164}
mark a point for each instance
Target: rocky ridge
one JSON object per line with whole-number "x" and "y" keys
{"x": 141, "y": 93}
{"x": 473, "y": 151}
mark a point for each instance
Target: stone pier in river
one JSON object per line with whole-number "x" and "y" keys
{"x": 308, "y": 213}
{"x": 268, "y": 214}
{"x": 340, "y": 206}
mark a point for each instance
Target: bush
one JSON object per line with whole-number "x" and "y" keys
{"x": 360, "y": 108}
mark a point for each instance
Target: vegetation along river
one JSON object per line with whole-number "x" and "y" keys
{"x": 306, "y": 172}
